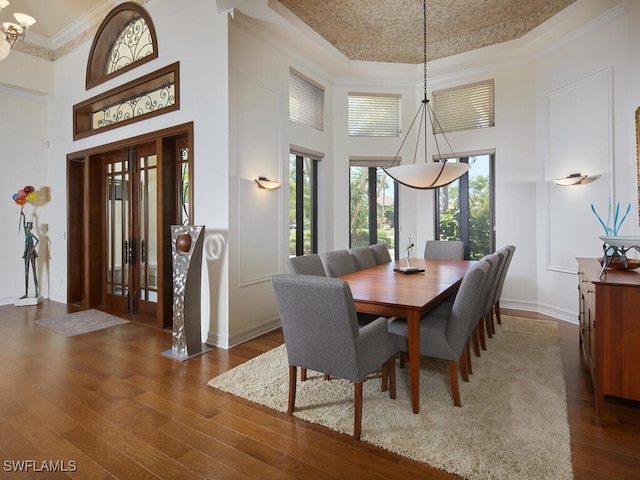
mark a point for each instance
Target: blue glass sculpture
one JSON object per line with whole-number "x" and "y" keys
{"x": 612, "y": 230}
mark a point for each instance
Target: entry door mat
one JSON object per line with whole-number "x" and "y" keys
{"x": 78, "y": 323}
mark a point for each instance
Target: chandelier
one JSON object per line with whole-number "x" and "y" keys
{"x": 11, "y": 32}
{"x": 426, "y": 175}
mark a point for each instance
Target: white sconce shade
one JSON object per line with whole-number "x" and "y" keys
{"x": 264, "y": 182}
{"x": 575, "y": 179}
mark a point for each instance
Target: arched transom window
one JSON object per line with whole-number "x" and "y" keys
{"x": 125, "y": 39}
{"x": 133, "y": 43}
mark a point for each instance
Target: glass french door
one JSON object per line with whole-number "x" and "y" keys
{"x": 465, "y": 208}
{"x": 131, "y": 213}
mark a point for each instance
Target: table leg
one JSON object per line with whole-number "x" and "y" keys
{"x": 413, "y": 327}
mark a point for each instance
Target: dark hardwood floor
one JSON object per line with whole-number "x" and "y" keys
{"x": 108, "y": 405}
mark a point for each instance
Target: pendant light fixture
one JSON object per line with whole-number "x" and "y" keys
{"x": 426, "y": 175}
{"x": 11, "y": 32}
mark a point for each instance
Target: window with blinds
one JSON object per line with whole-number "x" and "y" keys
{"x": 464, "y": 108}
{"x": 372, "y": 115}
{"x": 306, "y": 101}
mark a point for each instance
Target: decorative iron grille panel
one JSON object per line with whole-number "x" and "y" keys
{"x": 148, "y": 102}
{"x": 133, "y": 43}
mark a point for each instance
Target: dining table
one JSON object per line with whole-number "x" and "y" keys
{"x": 388, "y": 291}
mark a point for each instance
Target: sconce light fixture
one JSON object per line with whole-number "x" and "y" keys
{"x": 11, "y": 32}
{"x": 264, "y": 182}
{"x": 575, "y": 179}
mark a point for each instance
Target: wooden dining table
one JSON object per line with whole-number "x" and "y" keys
{"x": 382, "y": 291}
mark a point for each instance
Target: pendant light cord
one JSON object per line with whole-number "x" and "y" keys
{"x": 424, "y": 51}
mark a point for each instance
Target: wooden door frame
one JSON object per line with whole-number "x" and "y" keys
{"x": 84, "y": 236}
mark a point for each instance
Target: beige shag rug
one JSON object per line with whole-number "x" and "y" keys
{"x": 512, "y": 424}
{"x": 72, "y": 324}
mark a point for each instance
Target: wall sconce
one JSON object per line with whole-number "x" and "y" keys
{"x": 264, "y": 182}
{"x": 575, "y": 179}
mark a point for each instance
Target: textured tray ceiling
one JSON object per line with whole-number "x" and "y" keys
{"x": 392, "y": 30}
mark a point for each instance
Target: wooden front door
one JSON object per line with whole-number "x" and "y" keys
{"x": 122, "y": 200}
{"x": 130, "y": 180}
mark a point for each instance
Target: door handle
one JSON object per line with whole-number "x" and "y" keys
{"x": 132, "y": 252}
{"x": 143, "y": 251}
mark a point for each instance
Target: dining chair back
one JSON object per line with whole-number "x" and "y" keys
{"x": 510, "y": 251}
{"x": 321, "y": 333}
{"x": 444, "y": 250}
{"x": 380, "y": 253}
{"x": 496, "y": 262}
{"x": 307, "y": 265}
{"x": 338, "y": 262}
{"x": 362, "y": 257}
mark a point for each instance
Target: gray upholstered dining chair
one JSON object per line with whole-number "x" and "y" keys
{"x": 362, "y": 257}
{"x": 487, "y": 308}
{"x": 477, "y": 333}
{"x": 310, "y": 264}
{"x": 447, "y": 338}
{"x": 380, "y": 253}
{"x": 510, "y": 249}
{"x": 338, "y": 262}
{"x": 321, "y": 333}
{"x": 482, "y": 326}
{"x": 444, "y": 249}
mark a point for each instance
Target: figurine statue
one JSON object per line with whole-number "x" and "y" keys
{"x": 409, "y": 248}
{"x": 30, "y": 255}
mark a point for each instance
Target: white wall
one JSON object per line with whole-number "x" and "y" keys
{"x": 260, "y": 140}
{"x": 588, "y": 76}
{"x": 26, "y": 83}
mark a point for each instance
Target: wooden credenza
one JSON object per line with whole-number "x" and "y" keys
{"x": 609, "y": 314}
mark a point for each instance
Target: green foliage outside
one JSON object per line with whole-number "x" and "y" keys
{"x": 479, "y": 216}
{"x": 359, "y": 208}
{"x": 307, "y": 206}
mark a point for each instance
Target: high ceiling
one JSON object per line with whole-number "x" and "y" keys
{"x": 375, "y": 30}
{"x": 393, "y": 30}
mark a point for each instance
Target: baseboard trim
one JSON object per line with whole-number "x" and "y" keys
{"x": 557, "y": 313}
{"x": 230, "y": 341}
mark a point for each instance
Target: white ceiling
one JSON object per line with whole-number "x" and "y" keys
{"x": 52, "y": 16}
{"x": 376, "y": 30}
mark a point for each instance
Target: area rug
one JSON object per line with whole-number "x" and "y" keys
{"x": 512, "y": 423}
{"x": 77, "y": 323}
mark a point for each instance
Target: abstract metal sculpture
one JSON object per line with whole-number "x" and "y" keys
{"x": 186, "y": 251}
